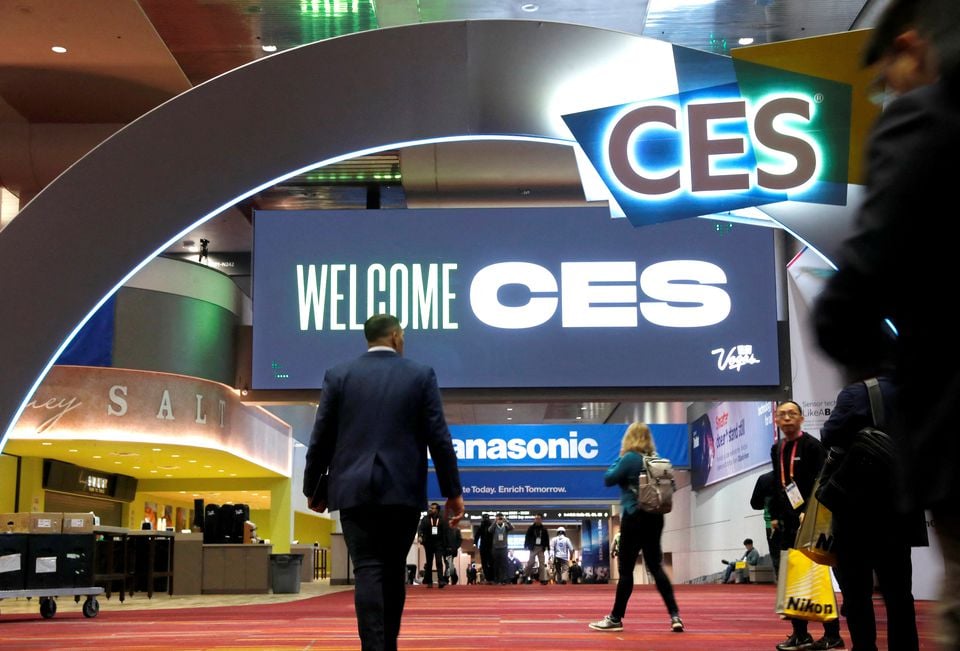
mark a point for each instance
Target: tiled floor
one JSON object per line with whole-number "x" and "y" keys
{"x": 140, "y": 601}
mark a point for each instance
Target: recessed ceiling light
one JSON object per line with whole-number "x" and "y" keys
{"x": 529, "y": 7}
{"x": 73, "y": 450}
{"x": 208, "y": 466}
{"x": 136, "y": 467}
{"x": 191, "y": 461}
{"x": 59, "y": 49}
{"x": 584, "y": 408}
{"x": 119, "y": 463}
{"x": 509, "y": 417}
{"x": 269, "y": 48}
{"x": 168, "y": 475}
{"x": 154, "y": 471}
{"x": 233, "y": 474}
{"x": 579, "y": 417}
{"x": 46, "y": 443}
{"x": 156, "y": 449}
{"x": 175, "y": 456}
{"x": 509, "y": 408}
{"x": 745, "y": 40}
{"x": 220, "y": 470}
{"x": 97, "y": 456}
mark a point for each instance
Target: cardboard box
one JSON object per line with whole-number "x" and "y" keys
{"x": 14, "y": 523}
{"x": 46, "y": 522}
{"x": 78, "y": 523}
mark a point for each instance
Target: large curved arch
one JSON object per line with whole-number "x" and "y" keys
{"x": 188, "y": 159}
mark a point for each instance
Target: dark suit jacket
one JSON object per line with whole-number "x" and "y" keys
{"x": 378, "y": 416}
{"x": 851, "y": 414}
{"x": 903, "y": 250}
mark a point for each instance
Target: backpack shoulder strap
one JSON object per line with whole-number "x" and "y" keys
{"x": 876, "y": 401}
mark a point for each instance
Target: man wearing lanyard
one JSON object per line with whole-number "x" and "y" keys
{"x": 536, "y": 541}
{"x": 797, "y": 459}
{"x": 432, "y": 539}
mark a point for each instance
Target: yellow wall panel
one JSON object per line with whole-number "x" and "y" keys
{"x": 835, "y": 57}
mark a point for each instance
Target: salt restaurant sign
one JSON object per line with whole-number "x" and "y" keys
{"x": 78, "y": 402}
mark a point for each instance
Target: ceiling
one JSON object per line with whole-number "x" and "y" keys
{"x": 126, "y": 57}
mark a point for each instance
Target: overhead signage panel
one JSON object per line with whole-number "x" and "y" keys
{"x": 517, "y": 298}
{"x": 558, "y": 446}
{"x": 530, "y": 486}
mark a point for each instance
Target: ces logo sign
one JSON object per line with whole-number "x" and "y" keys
{"x": 770, "y": 136}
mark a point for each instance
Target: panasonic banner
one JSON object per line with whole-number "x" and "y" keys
{"x": 517, "y": 298}
{"x": 539, "y": 464}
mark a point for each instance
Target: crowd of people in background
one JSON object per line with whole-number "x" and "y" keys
{"x": 551, "y": 558}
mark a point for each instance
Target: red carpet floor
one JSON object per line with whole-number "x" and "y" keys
{"x": 458, "y": 618}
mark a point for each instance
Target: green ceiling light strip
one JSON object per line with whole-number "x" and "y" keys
{"x": 323, "y": 19}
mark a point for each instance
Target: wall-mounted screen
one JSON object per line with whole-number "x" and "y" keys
{"x": 517, "y": 298}
{"x": 730, "y": 438}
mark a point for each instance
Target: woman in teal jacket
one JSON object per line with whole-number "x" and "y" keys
{"x": 639, "y": 530}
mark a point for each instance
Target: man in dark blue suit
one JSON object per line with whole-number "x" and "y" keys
{"x": 378, "y": 416}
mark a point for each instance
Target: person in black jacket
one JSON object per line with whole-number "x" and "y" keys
{"x": 797, "y": 460}
{"x": 870, "y": 540}
{"x": 537, "y": 541}
{"x": 500, "y": 545}
{"x": 451, "y": 551}
{"x": 432, "y": 537}
{"x": 761, "y": 500}
{"x": 484, "y": 541}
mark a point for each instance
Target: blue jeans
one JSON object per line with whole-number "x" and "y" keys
{"x": 378, "y": 538}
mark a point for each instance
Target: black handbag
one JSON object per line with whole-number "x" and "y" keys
{"x": 849, "y": 478}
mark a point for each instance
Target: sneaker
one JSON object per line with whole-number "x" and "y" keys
{"x": 676, "y": 624}
{"x": 827, "y": 642}
{"x": 608, "y": 623}
{"x": 796, "y": 642}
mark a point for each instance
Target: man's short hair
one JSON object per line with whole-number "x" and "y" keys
{"x": 379, "y": 326}
{"x": 434, "y": 504}
{"x": 898, "y": 17}
{"x": 748, "y": 541}
{"x": 561, "y": 530}
{"x": 791, "y": 402}
{"x": 499, "y": 515}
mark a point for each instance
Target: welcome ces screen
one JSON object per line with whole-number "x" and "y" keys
{"x": 517, "y": 298}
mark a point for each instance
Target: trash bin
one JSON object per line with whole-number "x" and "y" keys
{"x": 285, "y": 573}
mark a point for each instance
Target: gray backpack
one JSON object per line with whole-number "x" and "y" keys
{"x": 655, "y": 485}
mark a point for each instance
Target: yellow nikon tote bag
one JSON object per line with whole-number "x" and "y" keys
{"x": 805, "y": 589}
